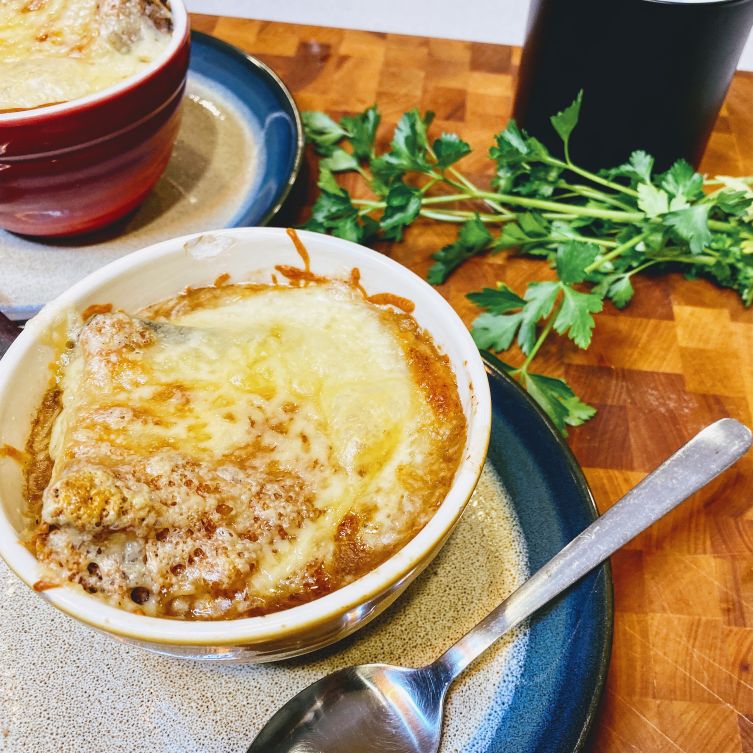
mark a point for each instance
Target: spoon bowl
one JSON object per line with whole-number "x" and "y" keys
{"x": 385, "y": 709}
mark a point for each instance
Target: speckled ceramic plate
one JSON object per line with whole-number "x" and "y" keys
{"x": 66, "y": 688}
{"x": 236, "y": 157}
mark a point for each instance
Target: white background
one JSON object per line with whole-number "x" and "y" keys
{"x": 500, "y": 21}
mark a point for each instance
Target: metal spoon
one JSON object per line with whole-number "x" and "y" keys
{"x": 378, "y": 708}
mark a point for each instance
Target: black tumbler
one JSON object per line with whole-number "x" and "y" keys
{"x": 654, "y": 74}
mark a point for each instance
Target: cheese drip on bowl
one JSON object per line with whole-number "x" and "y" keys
{"x": 242, "y": 449}
{"x": 53, "y": 51}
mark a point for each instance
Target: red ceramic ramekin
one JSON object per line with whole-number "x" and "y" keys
{"x": 80, "y": 165}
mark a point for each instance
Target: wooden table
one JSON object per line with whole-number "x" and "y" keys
{"x": 679, "y": 357}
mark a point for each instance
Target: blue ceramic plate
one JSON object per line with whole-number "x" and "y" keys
{"x": 277, "y": 121}
{"x": 153, "y": 704}
{"x": 555, "y": 701}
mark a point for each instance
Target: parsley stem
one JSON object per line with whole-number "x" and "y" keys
{"x": 523, "y": 368}
{"x": 445, "y": 198}
{"x": 433, "y": 214}
{"x": 718, "y": 225}
{"x": 558, "y": 216}
{"x": 474, "y": 188}
{"x": 568, "y": 194}
{"x": 580, "y": 238}
{"x": 455, "y": 184}
{"x": 442, "y": 199}
{"x": 460, "y": 215}
{"x": 590, "y": 176}
{"x": 428, "y": 185}
{"x": 365, "y": 174}
{"x": 591, "y": 193}
{"x": 525, "y": 201}
{"x": 662, "y": 259}
{"x": 718, "y": 182}
{"x": 467, "y": 183}
{"x": 642, "y": 267}
{"x": 567, "y": 150}
{"x": 560, "y": 210}
{"x": 634, "y": 241}
{"x": 368, "y": 203}
{"x": 700, "y": 259}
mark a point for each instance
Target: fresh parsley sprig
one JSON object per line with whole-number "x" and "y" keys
{"x": 595, "y": 229}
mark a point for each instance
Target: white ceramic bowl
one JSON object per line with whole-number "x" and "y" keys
{"x": 247, "y": 254}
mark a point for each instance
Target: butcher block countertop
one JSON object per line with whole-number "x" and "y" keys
{"x": 679, "y": 357}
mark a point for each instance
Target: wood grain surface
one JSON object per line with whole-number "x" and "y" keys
{"x": 679, "y": 357}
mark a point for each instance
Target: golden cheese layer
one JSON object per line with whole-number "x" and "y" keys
{"x": 238, "y": 450}
{"x": 56, "y": 50}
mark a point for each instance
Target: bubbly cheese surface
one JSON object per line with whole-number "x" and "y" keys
{"x": 53, "y": 51}
{"x": 242, "y": 449}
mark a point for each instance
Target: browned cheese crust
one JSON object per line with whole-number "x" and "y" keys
{"x": 161, "y": 526}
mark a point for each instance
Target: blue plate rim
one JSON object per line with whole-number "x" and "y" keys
{"x": 266, "y": 72}
{"x": 495, "y": 370}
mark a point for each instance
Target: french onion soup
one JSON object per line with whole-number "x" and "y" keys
{"x": 53, "y": 51}
{"x": 241, "y": 448}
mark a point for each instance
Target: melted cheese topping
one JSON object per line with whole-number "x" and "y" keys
{"x": 241, "y": 449}
{"x": 56, "y": 50}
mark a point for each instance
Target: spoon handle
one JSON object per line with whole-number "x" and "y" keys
{"x": 703, "y": 458}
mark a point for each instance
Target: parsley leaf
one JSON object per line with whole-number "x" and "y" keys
{"x": 620, "y": 291}
{"x": 511, "y": 141}
{"x": 362, "y": 131}
{"x": 495, "y": 331}
{"x": 523, "y": 164}
{"x": 637, "y": 169}
{"x": 449, "y": 148}
{"x": 328, "y": 183}
{"x": 734, "y": 203}
{"x": 651, "y": 200}
{"x": 540, "y": 298}
{"x": 322, "y": 131}
{"x": 499, "y": 325}
{"x": 574, "y": 317}
{"x": 498, "y": 300}
{"x": 572, "y": 259}
{"x": 564, "y": 122}
{"x": 682, "y": 180}
{"x": 559, "y": 402}
{"x": 410, "y": 141}
{"x": 333, "y": 212}
{"x": 386, "y": 172}
{"x": 512, "y": 236}
{"x": 403, "y": 206}
{"x": 529, "y": 229}
{"x": 339, "y": 160}
{"x": 692, "y": 225}
{"x": 533, "y": 225}
{"x": 641, "y": 163}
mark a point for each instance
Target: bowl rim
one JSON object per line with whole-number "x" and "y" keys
{"x": 286, "y": 623}
{"x": 178, "y": 36}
